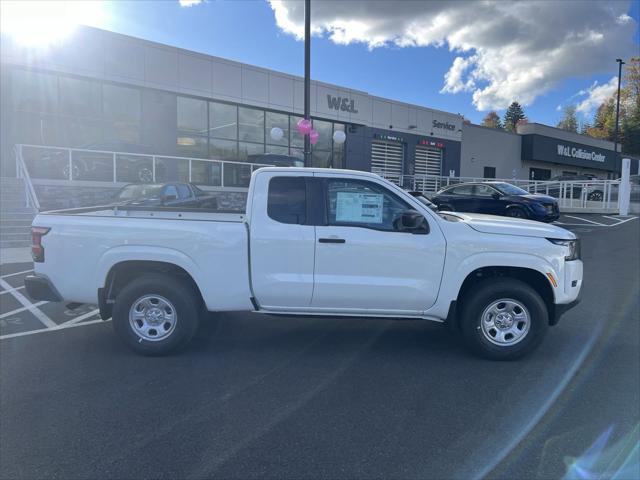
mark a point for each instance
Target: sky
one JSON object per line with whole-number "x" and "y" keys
{"x": 461, "y": 57}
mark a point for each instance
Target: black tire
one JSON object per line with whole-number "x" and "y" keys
{"x": 489, "y": 292}
{"x": 595, "y": 196}
{"x": 445, "y": 207}
{"x": 186, "y": 304}
{"x": 517, "y": 212}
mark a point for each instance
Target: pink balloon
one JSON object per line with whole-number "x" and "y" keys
{"x": 314, "y": 136}
{"x": 304, "y": 126}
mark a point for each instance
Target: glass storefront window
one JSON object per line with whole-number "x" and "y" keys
{"x": 134, "y": 169}
{"x": 172, "y": 170}
{"x": 298, "y": 153}
{"x": 192, "y": 115}
{"x": 121, "y": 104}
{"x": 223, "y": 121}
{"x": 206, "y": 173}
{"x": 279, "y": 120}
{"x": 297, "y": 140}
{"x": 325, "y": 132}
{"x": 80, "y": 97}
{"x": 251, "y": 124}
{"x": 277, "y": 150}
{"x": 33, "y": 91}
{"x": 121, "y": 108}
{"x": 237, "y": 175}
{"x": 338, "y": 148}
{"x": 191, "y": 145}
{"x": 48, "y": 163}
{"x": 248, "y": 151}
{"x": 321, "y": 159}
{"x": 223, "y": 149}
{"x": 94, "y": 166}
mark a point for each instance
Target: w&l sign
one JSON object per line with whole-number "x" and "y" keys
{"x": 341, "y": 104}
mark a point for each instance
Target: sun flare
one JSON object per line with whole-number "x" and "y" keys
{"x": 38, "y": 23}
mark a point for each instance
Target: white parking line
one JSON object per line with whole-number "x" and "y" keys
{"x": 22, "y": 309}
{"x": 58, "y": 328}
{"x": 16, "y": 273}
{"x": 80, "y": 318}
{"x": 46, "y": 321}
{"x": 619, "y": 221}
{"x": 12, "y": 290}
{"x": 586, "y": 220}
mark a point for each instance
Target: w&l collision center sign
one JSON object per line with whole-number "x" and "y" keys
{"x": 548, "y": 149}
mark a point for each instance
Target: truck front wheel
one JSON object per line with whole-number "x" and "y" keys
{"x": 156, "y": 314}
{"x": 503, "y": 319}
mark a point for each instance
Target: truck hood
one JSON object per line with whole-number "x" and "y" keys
{"x": 512, "y": 226}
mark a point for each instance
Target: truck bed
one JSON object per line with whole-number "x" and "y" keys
{"x": 83, "y": 245}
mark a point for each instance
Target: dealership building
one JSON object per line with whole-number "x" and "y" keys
{"x": 136, "y": 110}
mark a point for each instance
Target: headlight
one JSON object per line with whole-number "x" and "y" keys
{"x": 574, "y": 247}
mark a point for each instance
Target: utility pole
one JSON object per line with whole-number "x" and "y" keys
{"x": 615, "y": 135}
{"x": 307, "y": 77}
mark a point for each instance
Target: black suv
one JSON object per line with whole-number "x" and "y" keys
{"x": 497, "y": 198}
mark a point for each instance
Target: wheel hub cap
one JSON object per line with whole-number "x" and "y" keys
{"x": 505, "y": 322}
{"x": 152, "y": 317}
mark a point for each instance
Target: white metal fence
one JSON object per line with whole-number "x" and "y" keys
{"x": 77, "y": 164}
{"x": 595, "y": 196}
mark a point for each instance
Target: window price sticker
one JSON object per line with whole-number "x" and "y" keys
{"x": 359, "y": 207}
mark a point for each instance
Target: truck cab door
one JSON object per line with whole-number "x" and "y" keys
{"x": 281, "y": 241}
{"x": 365, "y": 262}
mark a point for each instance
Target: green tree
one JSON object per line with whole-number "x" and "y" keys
{"x": 511, "y": 117}
{"x": 569, "y": 121}
{"x": 492, "y": 120}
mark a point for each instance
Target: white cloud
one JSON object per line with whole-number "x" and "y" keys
{"x": 596, "y": 95}
{"x": 505, "y": 51}
{"x": 189, "y": 3}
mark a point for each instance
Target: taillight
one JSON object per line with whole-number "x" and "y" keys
{"x": 37, "y": 250}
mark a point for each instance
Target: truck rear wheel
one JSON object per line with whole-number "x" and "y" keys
{"x": 156, "y": 314}
{"x": 503, "y": 319}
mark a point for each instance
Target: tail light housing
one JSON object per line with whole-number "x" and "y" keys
{"x": 37, "y": 250}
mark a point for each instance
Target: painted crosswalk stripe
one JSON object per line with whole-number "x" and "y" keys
{"x": 46, "y": 321}
{"x": 15, "y": 273}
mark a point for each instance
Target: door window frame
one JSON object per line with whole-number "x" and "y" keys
{"x": 323, "y": 207}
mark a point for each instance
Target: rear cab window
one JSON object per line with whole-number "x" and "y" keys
{"x": 287, "y": 200}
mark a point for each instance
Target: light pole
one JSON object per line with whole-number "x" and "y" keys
{"x": 615, "y": 135}
{"x": 307, "y": 79}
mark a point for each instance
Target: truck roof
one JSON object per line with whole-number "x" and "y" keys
{"x": 318, "y": 170}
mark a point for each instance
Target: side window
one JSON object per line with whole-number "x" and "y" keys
{"x": 287, "y": 200}
{"x": 364, "y": 204}
{"x": 484, "y": 191}
{"x": 462, "y": 190}
{"x": 183, "y": 191}
{"x": 171, "y": 190}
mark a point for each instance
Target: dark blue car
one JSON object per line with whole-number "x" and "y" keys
{"x": 497, "y": 198}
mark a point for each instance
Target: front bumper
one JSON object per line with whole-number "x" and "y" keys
{"x": 40, "y": 287}
{"x": 559, "y": 310}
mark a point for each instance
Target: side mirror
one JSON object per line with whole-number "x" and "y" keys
{"x": 496, "y": 196}
{"x": 413, "y": 221}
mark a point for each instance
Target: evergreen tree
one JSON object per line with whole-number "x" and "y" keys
{"x": 569, "y": 121}
{"x": 511, "y": 117}
{"x": 492, "y": 120}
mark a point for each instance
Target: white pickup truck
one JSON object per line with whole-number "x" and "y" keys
{"x": 312, "y": 242}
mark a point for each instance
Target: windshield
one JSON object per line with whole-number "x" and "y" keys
{"x": 509, "y": 189}
{"x": 426, "y": 202}
{"x": 131, "y": 192}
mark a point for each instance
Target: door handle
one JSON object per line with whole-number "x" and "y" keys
{"x": 331, "y": 240}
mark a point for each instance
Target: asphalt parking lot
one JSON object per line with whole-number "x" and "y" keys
{"x": 277, "y": 397}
